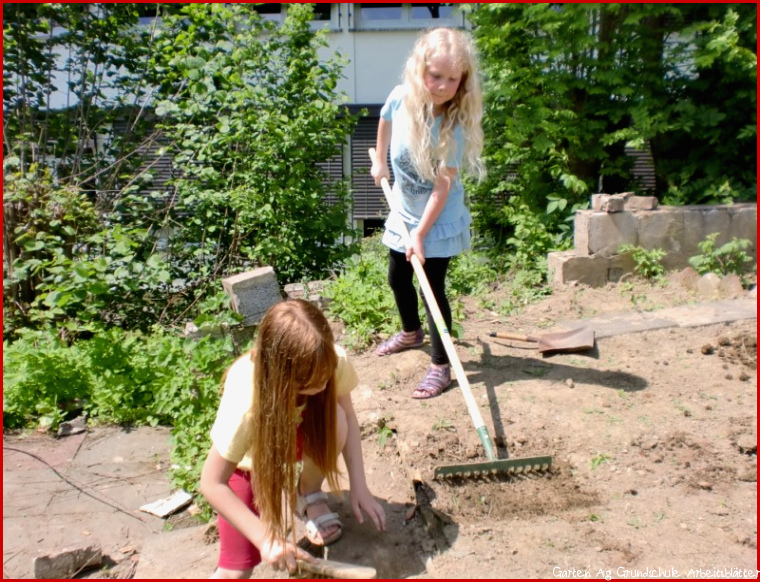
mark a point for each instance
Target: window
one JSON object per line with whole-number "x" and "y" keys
{"x": 434, "y": 11}
{"x": 369, "y": 12}
{"x": 399, "y": 16}
{"x": 326, "y": 16}
{"x": 322, "y": 18}
{"x": 369, "y": 200}
{"x": 323, "y": 11}
{"x": 147, "y": 12}
{"x": 270, "y": 11}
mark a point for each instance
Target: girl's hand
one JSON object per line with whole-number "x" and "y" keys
{"x": 417, "y": 247}
{"x": 364, "y": 500}
{"x": 379, "y": 171}
{"x": 282, "y": 555}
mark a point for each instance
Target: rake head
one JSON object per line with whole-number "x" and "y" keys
{"x": 504, "y": 467}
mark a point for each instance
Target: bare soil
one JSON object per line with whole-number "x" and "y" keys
{"x": 652, "y": 438}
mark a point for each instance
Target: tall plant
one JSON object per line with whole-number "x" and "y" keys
{"x": 247, "y": 109}
{"x": 255, "y": 115}
{"x": 568, "y": 86}
{"x": 71, "y": 74}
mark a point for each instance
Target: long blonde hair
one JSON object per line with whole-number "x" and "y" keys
{"x": 294, "y": 350}
{"x": 465, "y": 108}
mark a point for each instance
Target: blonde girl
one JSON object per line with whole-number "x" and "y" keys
{"x": 432, "y": 125}
{"x": 284, "y": 417}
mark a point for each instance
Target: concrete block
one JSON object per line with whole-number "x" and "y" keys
{"x": 609, "y": 202}
{"x": 566, "y": 267}
{"x": 252, "y": 293}
{"x": 663, "y": 230}
{"x": 699, "y": 221}
{"x": 743, "y": 225}
{"x": 641, "y": 203}
{"x": 597, "y": 233}
{"x": 620, "y": 265}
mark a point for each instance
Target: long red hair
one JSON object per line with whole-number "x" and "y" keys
{"x": 294, "y": 350}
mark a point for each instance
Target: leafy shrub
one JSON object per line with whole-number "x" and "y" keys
{"x": 69, "y": 266}
{"x": 43, "y": 378}
{"x": 648, "y": 262}
{"x": 120, "y": 377}
{"x": 728, "y": 258}
{"x": 470, "y": 274}
{"x": 361, "y": 297}
{"x": 530, "y": 239}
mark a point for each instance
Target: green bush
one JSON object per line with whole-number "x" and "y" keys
{"x": 728, "y": 258}
{"x": 43, "y": 379}
{"x": 361, "y": 297}
{"x": 648, "y": 262}
{"x": 119, "y": 377}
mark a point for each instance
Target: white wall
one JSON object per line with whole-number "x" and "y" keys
{"x": 377, "y": 53}
{"x": 376, "y": 50}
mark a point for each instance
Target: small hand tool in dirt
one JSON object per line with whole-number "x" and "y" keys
{"x": 575, "y": 340}
{"x": 333, "y": 569}
{"x": 493, "y": 466}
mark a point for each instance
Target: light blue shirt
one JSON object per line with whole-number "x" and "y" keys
{"x": 450, "y": 235}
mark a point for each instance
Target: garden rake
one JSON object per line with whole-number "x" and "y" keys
{"x": 493, "y": 466}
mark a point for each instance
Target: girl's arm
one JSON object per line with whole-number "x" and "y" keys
{"x": 361, "y": 497}
{"x": 379, "y": 164}
{"x": 215, "y": 477}
{"x": 432, "y": 211}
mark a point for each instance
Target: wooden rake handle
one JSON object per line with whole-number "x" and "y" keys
{"x": 513, "y": 336}
{"x": 333, "y": 569}
{"x": 435, "y": 311}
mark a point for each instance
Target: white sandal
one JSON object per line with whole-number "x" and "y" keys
{"x": 315, "y": 527}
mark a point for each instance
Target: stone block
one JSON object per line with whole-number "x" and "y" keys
{"x": 566, "y": 267}
{"x": 597, "y": 200}
{"x": 609, "y": 202}
{"x": 699, "y": 221}
{"x": 641, "y": 203}
{"x": 620, "y": 265}
{"x": 311, "y": 292}
{"x": 743, "y": 225}
{"x": 67, "y": 562}
{"x": 602, "y": 234}
{"x": 663, "y": 230}
{"x": 614, "y": 205}
{"x": 252, "y": 293}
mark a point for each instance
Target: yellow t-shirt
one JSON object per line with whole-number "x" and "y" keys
{"x": 231, "y": 433}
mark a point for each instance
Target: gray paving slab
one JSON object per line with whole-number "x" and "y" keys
{"x": 183, "y": 553}
{"x": 80, "y": 490}
{"x": 693, "y": 315}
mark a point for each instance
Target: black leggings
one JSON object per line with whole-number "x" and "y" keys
{"x": 400, "y": 278}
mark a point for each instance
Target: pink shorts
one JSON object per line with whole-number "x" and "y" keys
{"x": 235, "y": 551}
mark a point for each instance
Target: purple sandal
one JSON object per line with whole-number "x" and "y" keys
{"x": 436, "y": 380}
{"x": 397, "y": 344}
